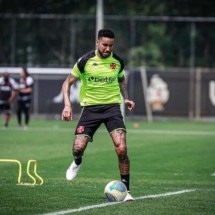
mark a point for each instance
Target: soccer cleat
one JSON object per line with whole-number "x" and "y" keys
{"x": 72, "y": 171}
{"x": 128, "y": 198}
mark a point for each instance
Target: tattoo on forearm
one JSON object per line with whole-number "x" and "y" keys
{"x": 123, "y": 89}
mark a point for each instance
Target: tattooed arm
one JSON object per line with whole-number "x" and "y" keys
{"x": 67, "y": 111}
{"x": 123, "y": 89}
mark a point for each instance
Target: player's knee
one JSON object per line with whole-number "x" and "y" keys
{"x": 121, "y": 150}
{"x": 119, "y": 137}
{"x": 79, "y": 146}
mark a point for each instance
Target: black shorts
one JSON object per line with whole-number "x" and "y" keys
{"x": 93, "y": 116}
{"x": 5, "y": 108}
{"x": 24, "y": 105}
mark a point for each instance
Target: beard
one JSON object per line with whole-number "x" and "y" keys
{"x": 104, "y": 55}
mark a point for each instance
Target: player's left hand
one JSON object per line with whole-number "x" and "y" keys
{"x": 130, "y": 104}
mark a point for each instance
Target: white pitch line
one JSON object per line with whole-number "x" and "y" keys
{"x": 165, "y": 194}
{"x": 69, "y": 211}
{"x": 172, "y": 132}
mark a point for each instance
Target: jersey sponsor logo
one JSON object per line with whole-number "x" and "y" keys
{"x": 107, "y": 80}
{"x": 113, "y": 66}
{"x": 80, "y": 129}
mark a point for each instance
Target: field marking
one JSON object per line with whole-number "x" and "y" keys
{"x": 69, "y": 211}
{"x": 130, "y": 131}
{"x": 172, "y": 132}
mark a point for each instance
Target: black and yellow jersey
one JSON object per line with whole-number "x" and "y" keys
{"x": 99, "y": 78}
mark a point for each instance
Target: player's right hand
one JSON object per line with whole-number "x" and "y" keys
{"x": 67, "y": 113}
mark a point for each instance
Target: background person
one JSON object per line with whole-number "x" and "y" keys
{"x": 7, "y": 95}
{"x": 102, "y": 80}
{"x": 24, "y": 97}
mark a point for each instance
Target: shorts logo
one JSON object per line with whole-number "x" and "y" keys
{"x": 113, "y": 66}
{"x": 80, "y": 129}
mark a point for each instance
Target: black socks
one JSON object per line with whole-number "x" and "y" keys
{"x": 78, "y": 160}
{"x": 125, "y": 180}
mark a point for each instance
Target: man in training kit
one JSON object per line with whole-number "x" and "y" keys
{"x": 25, "y": 90}
{"x": 102, "y": 77}
{"x": 7, "y": 94}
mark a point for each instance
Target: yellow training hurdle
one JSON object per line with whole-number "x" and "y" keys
{"x": 34, "y": 178}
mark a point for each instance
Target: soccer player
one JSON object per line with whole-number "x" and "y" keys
{"x": 24, "y": 97}
{"x": 7, "y": 95}
{"x": 102, "y": 77}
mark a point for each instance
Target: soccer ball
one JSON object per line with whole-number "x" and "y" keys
{"x": 115, "y": 191}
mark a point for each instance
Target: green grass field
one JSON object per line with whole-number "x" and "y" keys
{"x": 166, "y": 157}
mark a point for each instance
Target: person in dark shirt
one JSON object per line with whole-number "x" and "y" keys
{"x": 7, "y": 95}
{"x": 24, "y": 97}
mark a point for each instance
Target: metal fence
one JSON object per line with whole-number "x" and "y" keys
{"x": 172, "y": 92}
{"x": 59, "y": 40}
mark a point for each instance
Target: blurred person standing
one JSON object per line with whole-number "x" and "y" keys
{"x": 7, "y": 95}
{"x": 24, "y": 97}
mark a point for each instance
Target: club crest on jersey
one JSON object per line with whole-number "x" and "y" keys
{"x": 80, "y": 129}
{"x": 113, "y": 66}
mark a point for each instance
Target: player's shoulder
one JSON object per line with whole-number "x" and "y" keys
{"x": 83, "y": 60}
{"x": 88, "y": 55}
{"x": 117, "y": 57}
{"x": 29, "y": 80}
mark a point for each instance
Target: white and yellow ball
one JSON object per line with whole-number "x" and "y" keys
{"x": 115, "y": 191}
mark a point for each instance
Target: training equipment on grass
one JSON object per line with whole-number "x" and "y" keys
{"x": 115, "y": 191}
{"x": 35, "y": 179}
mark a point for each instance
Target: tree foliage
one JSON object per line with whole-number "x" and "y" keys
{"x": 60, "y": 42}
{"x": 111, "y": 7}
